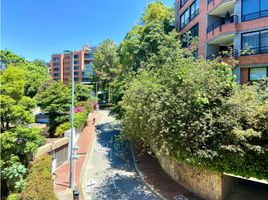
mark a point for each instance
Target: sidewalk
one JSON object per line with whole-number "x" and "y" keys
{"x": 84, "y": 142}
{"x": 158, "y": 179}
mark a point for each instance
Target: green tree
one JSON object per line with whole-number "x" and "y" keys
{"x": 106, "y": 61}
{"x": 7, "y": 58}
{"x": 36, "y": 75}
{"x": 15, "y": 107}
{"x": 55, "y": 98}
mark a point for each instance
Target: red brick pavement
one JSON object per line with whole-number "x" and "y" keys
{"x": 84, "y": 142}
{"x": 157, "y": 178}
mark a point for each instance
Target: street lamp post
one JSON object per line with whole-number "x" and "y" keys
{"x": 72, "y": 123}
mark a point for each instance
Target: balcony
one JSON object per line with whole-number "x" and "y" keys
{"x": 220, "y": 7}
{"x": 221, "y": 21}
{"x": 224, "y": 55}
{"x": 222, "y": 30}
{"x": 255, "y": 15}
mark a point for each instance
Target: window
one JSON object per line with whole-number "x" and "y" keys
{"x": 195, "y": 54}
{"x": 195, "y": 30}
{"x": 76, "y": 62}
{"x": 76, "y": 56}
{"x": 255, "y": 42}
{"x": 56, "y": 64}
{"x": 189, "y": 14}
{"x": 183, "y": 2}
{"x": 76, "y": 79}
{"x": 254, "y": 9}
{"x": 76, "y": 73}
{"x": 258, "y": 73}
{"x": 76, "y": 67}
{"x": 185, "y": 18}
{"x": 187, "y": 38}
{"x": 56, "y": 69}
{"x": 56, "y": 59}
{"x": 56, "y": 74}
{"x": 194, "y": 9}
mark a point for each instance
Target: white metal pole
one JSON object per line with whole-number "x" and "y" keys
{"x": 72, "y": 125}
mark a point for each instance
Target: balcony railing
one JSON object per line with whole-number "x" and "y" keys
{"x": 221, "y": 21}
{"x": 255, "y": 50}
{"x": 255, "y": 15}
{"x": 234, "y": 54}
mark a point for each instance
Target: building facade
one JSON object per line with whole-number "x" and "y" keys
{"x": 61, "y": 65}
{"x": 221, "y": 25}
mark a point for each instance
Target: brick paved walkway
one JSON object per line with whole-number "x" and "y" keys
{"x": 84, "y": 142}
{"x": 158, "y": 179}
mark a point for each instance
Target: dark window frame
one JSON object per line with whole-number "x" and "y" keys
{"x": 259, "y": 13}
{"x": 259, "y": 46}
{"x": 191, "y": 16}
{"x": 256, "y": 67}
{"x": 182, "y": 3}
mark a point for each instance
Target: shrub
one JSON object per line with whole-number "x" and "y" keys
{"x": 39, "y": 183}
{"x": 13, "y": 196}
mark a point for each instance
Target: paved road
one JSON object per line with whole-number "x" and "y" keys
{"x": 109, "y": 171}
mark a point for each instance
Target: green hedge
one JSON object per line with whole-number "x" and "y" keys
{"x": 39, "y": 183}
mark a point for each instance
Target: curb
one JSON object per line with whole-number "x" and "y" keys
{"x": 141, "y": 175}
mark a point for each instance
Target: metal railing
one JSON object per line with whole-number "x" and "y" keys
{"x": 255, "y": 15}
{"x": 222, "y": 21}
{"x": 233, "y": 53}
{"x": 255, "y": 50}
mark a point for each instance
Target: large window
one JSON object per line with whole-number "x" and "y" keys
{"x": 76, "y": 56}
{"x": 254, "y": 9}
{"x": 56, "y": 74}
{"x": 189, "y": 14}
{"x": 255, "y": 42}
{"x": 76, "y": 62}
{"x": 76, "y": 73}
{"x": 194, "y": 9}
{"x": 258, "y": 73}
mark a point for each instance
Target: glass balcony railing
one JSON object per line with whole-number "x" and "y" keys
{"x": 255, "y": 50}
{"x": 221, "y": 22}
{"x": 255, "y": 15}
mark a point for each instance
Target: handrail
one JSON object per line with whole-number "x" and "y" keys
{"x": 213, "y": 56}
{"x": 255, "y": 15}
{"x": 222, "y": 21}
{"x": 256, "y": 50}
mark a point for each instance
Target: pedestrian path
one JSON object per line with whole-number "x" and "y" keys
{"x": 62, "y": 179}
{"x": 158, "y": 179}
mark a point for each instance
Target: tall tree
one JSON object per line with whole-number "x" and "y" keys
{"x": 15, "y": 107}
{"x": 55, "y": 98}
{"x": 106, "y": 61}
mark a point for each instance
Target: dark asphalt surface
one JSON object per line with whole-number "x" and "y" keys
{"x": 110, "y": 168}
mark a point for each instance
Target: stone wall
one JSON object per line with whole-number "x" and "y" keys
{"x": 207, "y": 184}
{"x": 58, "y": 149}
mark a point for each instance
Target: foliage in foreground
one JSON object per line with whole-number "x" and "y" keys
{"x": 39, "y": 183}
{"x": 197, "y": 114}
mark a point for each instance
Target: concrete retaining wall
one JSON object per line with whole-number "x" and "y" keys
{"x": 207, "y": 184}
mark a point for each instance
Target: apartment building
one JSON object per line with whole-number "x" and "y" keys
{"x": 60, "y": 65}
{"x": 241, "y": 25}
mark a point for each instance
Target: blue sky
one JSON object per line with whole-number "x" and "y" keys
{"x": 39, "y": 28}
